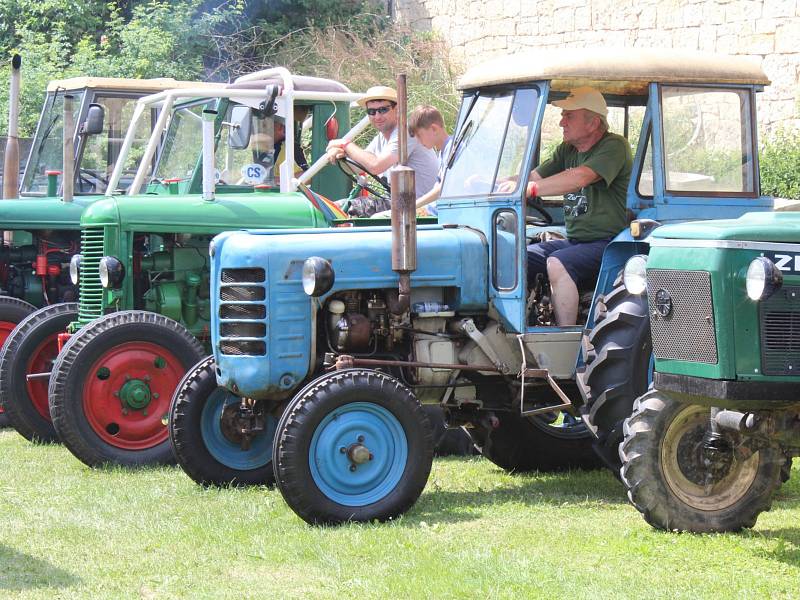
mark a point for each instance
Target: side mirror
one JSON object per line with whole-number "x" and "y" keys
{"x": 241, "y": 120}
{"x": 94, "y": 120}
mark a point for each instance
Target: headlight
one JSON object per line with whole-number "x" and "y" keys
{"x": 634, "y": 275}
{"x": 111, "y": 272}
{"x": 318, "y": 276}
{"x": 75, "y": 268}
{"x": 763, "y": 278}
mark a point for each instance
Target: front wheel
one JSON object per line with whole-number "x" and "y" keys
{"x": 205, "y": 430}
{"x": 12, "y": 312}
{"x": 111, "y": 387}
{"x": 353, "y": 445}
{"x": 31, "y": 350}
{"x": 677, "y": 483}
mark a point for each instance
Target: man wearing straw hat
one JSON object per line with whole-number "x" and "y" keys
{"x": 591, "y": 168}
{"x": 382, "y": 153}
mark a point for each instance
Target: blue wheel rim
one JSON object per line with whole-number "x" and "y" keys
{"x": 370, "y": 481}
{"x": 224, "y": 450}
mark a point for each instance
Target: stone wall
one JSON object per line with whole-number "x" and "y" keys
{"x": 768, "y": 31}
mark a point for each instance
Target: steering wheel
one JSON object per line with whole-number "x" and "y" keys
{"x": 352, "y": 168}
{"x": 544, "y": 218}
{"x": 90, "y": 177}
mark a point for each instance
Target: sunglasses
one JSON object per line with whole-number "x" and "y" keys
{"x": 381, "y": 110}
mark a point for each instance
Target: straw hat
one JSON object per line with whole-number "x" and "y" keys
{"x": 378, "y": 92}
{"x": 584, "y": 97}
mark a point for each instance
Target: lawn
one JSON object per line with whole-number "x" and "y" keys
{"x": 70, "y": 532}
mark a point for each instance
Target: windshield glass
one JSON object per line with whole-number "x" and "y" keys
{"x": 491, "y": 143}
{"x": 101, "y": 151}
{"x": 255, "y": 164}
{"x": 47, "y": 151}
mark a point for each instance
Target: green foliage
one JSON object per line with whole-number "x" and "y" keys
{"x": 780, "y": 165}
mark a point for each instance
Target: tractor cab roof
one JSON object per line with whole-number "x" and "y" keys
{"x": 620, "y": 71}
{"x": 301, "y": 83}
{"x": 116, "y": 83}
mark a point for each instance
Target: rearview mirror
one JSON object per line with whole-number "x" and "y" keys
{"x": 94, "y": 120}
{"x": 239, "y": 135}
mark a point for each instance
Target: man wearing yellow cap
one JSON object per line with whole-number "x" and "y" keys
{"x": 382, "y": 153}
{"x": 591, "y": 168}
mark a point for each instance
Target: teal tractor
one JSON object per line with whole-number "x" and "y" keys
{"x": 707, "y": 447}
{"x": 143, "y": 316}
{"x": 41, "y": 226}
{"x": 326, "y": 342}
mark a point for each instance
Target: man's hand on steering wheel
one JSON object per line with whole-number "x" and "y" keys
{"x": 353, "y": 168}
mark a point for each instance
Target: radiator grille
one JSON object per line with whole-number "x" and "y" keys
{"x": 779, "y": 317}
{"x": 91, "y": 292}
{"x": 243, "y": 312}
{"x": 687, "y": 331}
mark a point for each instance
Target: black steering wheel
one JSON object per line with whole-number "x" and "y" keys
{"x": 543, "y": 218}
{"x": 353, "y": 168}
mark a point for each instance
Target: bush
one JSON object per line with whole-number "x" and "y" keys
{"x": 780, "y": 165}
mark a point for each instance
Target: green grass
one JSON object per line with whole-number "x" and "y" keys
{"x": 70, "y": 532}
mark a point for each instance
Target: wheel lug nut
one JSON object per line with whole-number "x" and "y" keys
{"x": 371, "y": 456}
{"x": 343, "y": 450}
{"x": 361, "y": 439}
{"x": 352, "y": 467}
{"x": 146, "y": 378}
{"x": 155, "y": 396}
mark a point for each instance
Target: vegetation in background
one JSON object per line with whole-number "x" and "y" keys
{"x": 780, "y": 165}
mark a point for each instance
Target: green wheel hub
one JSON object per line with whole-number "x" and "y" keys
{"x": 135, "y": 394}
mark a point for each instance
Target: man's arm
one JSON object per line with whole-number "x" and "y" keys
{"x": 374, "y": 164}
{"x": 430, "y": 196}
{"x": 565, "y": 182}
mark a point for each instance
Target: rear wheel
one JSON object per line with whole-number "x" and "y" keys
{"x": 31, "y": 349}
{"x": 679, "y": 484}
{"x": 12, "y": 312}
{"x": 353, "y": 445}
{"x": 617, "y": 353}
{"x": 552, "y": 442}
{"x": 111, "y": 387}
{"x": 205, "y": 431}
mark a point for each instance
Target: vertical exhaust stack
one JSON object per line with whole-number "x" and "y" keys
{"x": 68, "y": 181}
{"x": 11, "y": 162}
{"x": 209, "y": 116}
{"x": 404, "y": 219}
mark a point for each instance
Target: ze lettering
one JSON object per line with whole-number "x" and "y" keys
{"x": 786, "y": 262}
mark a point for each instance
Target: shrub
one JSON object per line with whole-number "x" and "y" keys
{"x": 780, "y": 165}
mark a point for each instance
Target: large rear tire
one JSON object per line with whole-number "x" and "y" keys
{"x": 12, "y": 312}
{"x": 112, "y": 384}
{"x": 353, "y": 445}
{"x": 204, "y": 436}
{"x": 677, "y": 484}
{"x": 617, "y": 354}
{"x": 523, "y": 444}
{"x": 32, "y": 348}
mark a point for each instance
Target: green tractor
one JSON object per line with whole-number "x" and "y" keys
{"x": 143, "y": 317}
{"x": 41, "y": 227}
{"x": 708, "y": 445}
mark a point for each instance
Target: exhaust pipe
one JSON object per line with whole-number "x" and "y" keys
{"x": 404, "y": 208}
{"x": 209, "y": 116}
{"x": 11, "y": 162}
{"x": 68, "y": 181}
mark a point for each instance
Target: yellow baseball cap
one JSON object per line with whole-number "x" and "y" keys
{"x": 587, "y": 98}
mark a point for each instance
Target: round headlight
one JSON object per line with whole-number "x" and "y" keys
{"x": 634, "y": 275}
{"x": 318, "y": 276}
{"x": 763, "y": 278}
{"x": 75, "y": 268}
{"x": 111, "y": 272}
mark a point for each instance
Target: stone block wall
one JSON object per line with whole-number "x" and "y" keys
{"x": 766, "y": 30}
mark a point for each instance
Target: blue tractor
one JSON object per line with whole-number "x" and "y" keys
{"x": 327, "y": 342}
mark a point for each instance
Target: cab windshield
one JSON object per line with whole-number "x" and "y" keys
{"x": 47, "y": 151}
{"x": 490, "y": 144}
{"x": 247, "y": 166}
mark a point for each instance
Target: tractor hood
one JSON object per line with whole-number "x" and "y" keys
{"x": 192, "y": 214}
{"x": 43, "y": 213}
{"x": 452, "y": 258}
{"x": 758, "y": 227}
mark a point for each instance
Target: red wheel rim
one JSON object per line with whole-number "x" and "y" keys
{"x": 154, "y": 371}
{"x": 41, "y": 361}
{"x": 6, "y": 327}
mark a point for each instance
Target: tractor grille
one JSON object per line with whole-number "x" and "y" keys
{"x": 779, "y": 318}
{"x": 243, "y": 312}
{"x": 91, "y": 292}
{"x": 687, "y": 330}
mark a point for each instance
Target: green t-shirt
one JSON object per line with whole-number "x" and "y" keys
{"x": 597, "y": 211}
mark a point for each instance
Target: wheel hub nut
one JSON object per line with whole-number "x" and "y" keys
{"x": 135, "y": 394}
{"x": 359, "y": 454}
